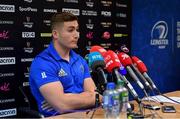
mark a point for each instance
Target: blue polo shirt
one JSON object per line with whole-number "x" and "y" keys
{"x": 49, "y": 67}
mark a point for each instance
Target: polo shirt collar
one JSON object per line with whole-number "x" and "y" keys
{"x": 54, "y": 53}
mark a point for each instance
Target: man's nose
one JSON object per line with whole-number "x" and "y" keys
{"x": 77, "y": 35}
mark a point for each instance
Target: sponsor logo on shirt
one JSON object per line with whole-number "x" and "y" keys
{"x": 62, "y": 73}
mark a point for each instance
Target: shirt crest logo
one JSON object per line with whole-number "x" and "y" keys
{"x": 82, "y": 68}
{"x": 62, "y": 73}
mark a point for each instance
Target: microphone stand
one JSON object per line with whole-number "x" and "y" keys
{"x": 118, "y": 76}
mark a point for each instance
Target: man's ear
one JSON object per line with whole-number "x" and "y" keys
{"x": 55, "y": 34}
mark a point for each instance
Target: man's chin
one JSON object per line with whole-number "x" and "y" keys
{"x": 75, "y": 46}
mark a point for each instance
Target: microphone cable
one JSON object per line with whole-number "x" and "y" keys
{"x": 170, "y": 98}
{"x": 163, "y": 103}
{"x": 153, "y": 112}
{"x": 158, "y": 91}
{"x": 93, "y": 114}
{"x": 25, "y": 96}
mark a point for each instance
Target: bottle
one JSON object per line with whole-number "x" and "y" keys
{"x": 123, "y": 98}
{"x": 111, "y": 102}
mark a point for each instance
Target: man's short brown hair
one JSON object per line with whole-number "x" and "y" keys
{"x": 62, "y": 17}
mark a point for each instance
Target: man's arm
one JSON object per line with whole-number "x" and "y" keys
{"x": 62, "y": 102}
{"x": 90, "y": 86}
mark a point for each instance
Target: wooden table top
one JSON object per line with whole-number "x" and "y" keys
{"x": 99, "y": 112}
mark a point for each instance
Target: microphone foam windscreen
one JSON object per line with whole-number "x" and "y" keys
{"x": 111, "y": 60}
{"x": 99, "y": 49}
{"x": 96, "y": 60}
{"x": 125, "y": 59}
{"x": 139, "y": 64}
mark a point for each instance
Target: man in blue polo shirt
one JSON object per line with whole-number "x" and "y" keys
{"x": 59, "y": 78}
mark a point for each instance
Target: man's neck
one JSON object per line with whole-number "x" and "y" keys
{"x": 62, "y": 51}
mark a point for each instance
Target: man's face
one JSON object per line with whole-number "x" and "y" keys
{"x": 68, "y": 34}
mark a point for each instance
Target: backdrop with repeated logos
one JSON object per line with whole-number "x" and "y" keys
{"x": 156, "y": 40}
{"x": 25, "y": 32}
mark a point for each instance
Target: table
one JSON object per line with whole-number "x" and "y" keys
{"x": 99, "y": 112}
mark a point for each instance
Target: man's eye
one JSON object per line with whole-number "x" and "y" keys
{"x": 77, "y": 30}
{"x": 70, "y": 30}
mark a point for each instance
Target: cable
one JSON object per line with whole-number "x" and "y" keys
{"x": 93, "y": 114}
{"x": 153, "y": 112}
{"x": 158, "y": 91}
{"x": 25, "y": 96}
{"x": 170, "y": 98}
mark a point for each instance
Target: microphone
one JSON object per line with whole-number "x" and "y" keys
{"x": 143, "y": 69}
{"x": 113, "y": 65}
{"x": 123, "y": 72}
{"x": 97, "y": 64}
{"x": 99, "y": 49}
{"x": 127, "y": 62}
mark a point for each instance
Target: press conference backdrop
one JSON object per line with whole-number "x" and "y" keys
{"x": 25, "y": 31}
{"x": 156, "y": 40}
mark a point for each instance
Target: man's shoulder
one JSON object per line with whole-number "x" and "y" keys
{"x": 43, "y": 58}
{"x": 76, "y": 55}
{"x": 43, "y": 55}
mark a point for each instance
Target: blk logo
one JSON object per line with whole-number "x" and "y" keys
{"x": 106, "y": 35}
{"x": 4, "y": 34}
{"x": 4, "y": 87}
{"x": 89, "y": 35}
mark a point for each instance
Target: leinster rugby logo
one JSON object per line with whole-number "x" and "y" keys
{"x": 159, "y": 34}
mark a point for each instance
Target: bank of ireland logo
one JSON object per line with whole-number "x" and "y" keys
{"x": 159, "y": 34}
